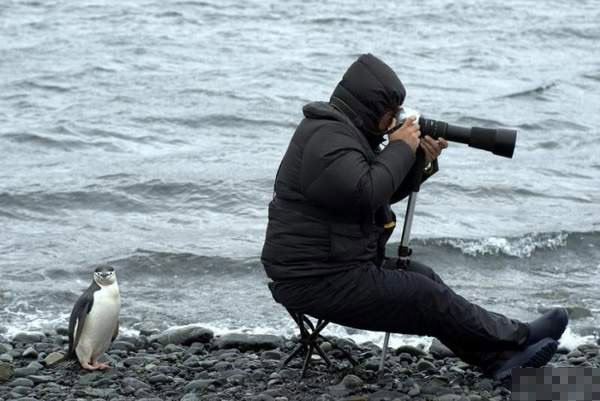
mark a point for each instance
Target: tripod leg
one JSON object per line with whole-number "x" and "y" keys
{"x": 307, "y": 360}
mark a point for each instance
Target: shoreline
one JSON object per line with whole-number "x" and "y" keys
{"x": 190, "y": 363}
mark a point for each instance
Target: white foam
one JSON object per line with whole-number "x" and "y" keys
{"x": 571, "y": 340}
{"x": 522, "y": 247}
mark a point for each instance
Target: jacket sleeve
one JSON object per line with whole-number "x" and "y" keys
{"x": 409, "y": 183}
{"x": 335, "y": 172}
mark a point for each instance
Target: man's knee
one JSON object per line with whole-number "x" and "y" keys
{"x": 424, "y": 270}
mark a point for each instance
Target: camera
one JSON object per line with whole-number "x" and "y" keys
{"x": 499, "y": 141}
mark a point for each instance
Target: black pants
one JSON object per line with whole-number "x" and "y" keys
{"x": 412, "y": 300}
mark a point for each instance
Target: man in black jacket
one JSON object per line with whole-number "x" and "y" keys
{"x": 330, "y": 219}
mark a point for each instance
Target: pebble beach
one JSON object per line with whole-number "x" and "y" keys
{"x": 190, "y": 363}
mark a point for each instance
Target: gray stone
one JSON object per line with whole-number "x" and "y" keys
{"x": 123, "y": 346}
{"x": 53, "y": 358}
{"x": 184, "y": 335}
{"x": 439, "y": 350}
{"x": 449, "y": 397}
{"x": 414, "y": 390}
{"x": 248, "y": 342}
{"x": 28, "y": 338}
{"x": 6, "y": 358}
{"x": 89, "y": 378}
{"x": 21, "y": 381}
{"x": 191, "y": 397}
{"x": 41, "y": 378}
{"x": 134, "y": 383}
{"x": 409, "y": 349}
{"x": 5, "y": 347}
{"x": 62, "y": 331}
{"x": 138, "y": 361}
{"x": 27, "y": 371}
{"x": 200, "y": 385}
{"x": 352, "y": 381}
{"x": 326, "y": 346}
{"x": 30, "y": 352}
{"x": 221, "y": 366}
{"x": 21, "y": 390}
{"x": 6, "y": 372}
{"x": 160, "y": 378}
{"x": 192, "y": 362}
{"x": 271, "y": 355}
{"x": 425, "y": 366}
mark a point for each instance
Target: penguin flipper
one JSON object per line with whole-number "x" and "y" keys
{"x": 116, "y": 332}
{"x": 78, "y": 315}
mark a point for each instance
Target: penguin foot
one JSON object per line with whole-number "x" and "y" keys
{"x": 87, "y": 366}
{"x": 102, "y": 366}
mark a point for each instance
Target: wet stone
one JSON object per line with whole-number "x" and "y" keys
{"x": 30, "y": 352}
{"x": 28, "y": 338}
{"x": 352, "y": 381}
{"x": 21, "y": 381}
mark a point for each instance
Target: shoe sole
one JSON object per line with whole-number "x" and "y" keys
{"x": 542, "y": 353}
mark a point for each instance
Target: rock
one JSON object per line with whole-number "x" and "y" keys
{"x": 21, "y": 381}
{"x": 271, "y": 355}
{"x": 62, "y": 331}
{"x": 247, "y": 342}
{"x": 414, "y": 390}
{"x": 484, "y": 385}
{"x": 6, "y": 358}
{"x": 89, "y": 379}
{"x": 138, "y": 361}
{"x": 409, "y": 349}
{"x": 326, "y": 346}
{"x": 30, "y": 369}
{"x": 123, "y": 345}
{"x": 372, "y": 364}
{"x": 134, "y": 384}
{"x": 28, "y": 338}
{"x": 449, "y": 397}
{"x": 30, "y": 352}
{"x": 439, "y": 350}
{"x": 53, "y": 358}
{"x": 197, "y": 386}
{"x": 6, "y": 372}
{"x": 191, "y": 397}
{"x": 425, "y": 366}
{"x": 352, "y": 382}
{"x": 184, "y": 335}
{"x": 5, "y": 347}
{"x": 159, "y": 379}
{"x": 37, "y": 379}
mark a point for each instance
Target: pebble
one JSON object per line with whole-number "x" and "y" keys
{"x": 352, "y": 381}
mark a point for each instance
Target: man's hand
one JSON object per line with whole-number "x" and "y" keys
{"x": 408, "y": 132}
{"x": 432, "y": 148}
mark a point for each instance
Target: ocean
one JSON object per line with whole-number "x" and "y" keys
{"x": 147, "y": 134}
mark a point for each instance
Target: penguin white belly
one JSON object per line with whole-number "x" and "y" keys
{"x": 100, "y": 324}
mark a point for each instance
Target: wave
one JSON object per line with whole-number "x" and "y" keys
{"x": 155, "y": 263}
{"x": 524, "y": 246}
{"x": 534, "y": 92}
{"x": 66, "y": 145}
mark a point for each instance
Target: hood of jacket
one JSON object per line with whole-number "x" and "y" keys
{"x": 367, "y": 90}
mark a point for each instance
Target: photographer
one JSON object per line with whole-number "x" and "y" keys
{"x": 330, "y": 219}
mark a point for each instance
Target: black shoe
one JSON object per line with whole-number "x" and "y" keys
{"x": 534, "y": 356}
{"x": 552, "y": 324}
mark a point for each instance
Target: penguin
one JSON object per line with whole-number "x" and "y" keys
{"x": 94, "y": 321}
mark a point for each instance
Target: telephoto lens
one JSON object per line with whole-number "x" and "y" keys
{"x": 499, "y": 141}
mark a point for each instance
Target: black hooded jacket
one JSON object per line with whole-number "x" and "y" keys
{"x": 334, "y": 187}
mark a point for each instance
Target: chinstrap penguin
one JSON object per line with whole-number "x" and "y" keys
{"x": 94, "y": 322}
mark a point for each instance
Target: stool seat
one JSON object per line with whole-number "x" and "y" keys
{"x": 309, "y": 334}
